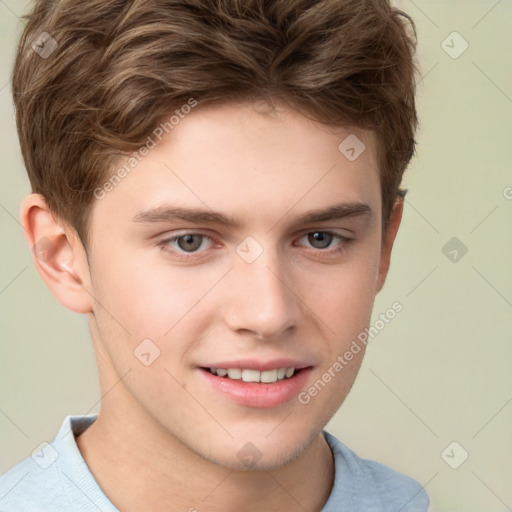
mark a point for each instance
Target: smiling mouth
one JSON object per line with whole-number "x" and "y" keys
{"x": 249, "y": 375}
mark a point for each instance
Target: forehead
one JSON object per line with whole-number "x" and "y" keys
{"x": 247, "y": 132}
{"x": 245, "y": 162}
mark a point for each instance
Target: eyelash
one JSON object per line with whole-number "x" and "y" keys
{"x": 183, "y": 255}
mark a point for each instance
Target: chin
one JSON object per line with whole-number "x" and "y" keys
{"x": 260, "y": 452}
{"x": 250, "y": 458}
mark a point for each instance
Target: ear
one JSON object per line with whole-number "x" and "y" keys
{"x": 388, "y": 238}
{"x": 58, "y": 254}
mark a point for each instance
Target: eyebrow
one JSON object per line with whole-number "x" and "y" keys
{"x": 198, "y": 216}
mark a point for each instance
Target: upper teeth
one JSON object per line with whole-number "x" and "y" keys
{"x": 267, "y": 376}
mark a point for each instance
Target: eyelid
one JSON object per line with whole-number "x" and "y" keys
{"x": 172, "y": 238}
{"x": 301, "y": 234}
{"x": 332, "y": 231}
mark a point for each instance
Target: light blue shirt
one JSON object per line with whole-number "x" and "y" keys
{"x": 57, "y": 479}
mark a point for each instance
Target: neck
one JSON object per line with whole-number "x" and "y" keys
{"x": 140, "y": 466}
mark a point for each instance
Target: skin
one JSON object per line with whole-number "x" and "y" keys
{"x": 165, "y": 439}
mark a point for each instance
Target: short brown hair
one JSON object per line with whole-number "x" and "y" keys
{"x": 122, "y": 66}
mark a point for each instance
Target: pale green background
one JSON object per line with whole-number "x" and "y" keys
{"x": 439, "y": 372}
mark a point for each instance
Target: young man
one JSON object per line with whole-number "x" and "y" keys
{"x": 216, "y": 186}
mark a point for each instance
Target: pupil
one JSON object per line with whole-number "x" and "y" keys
{"x": 320, "y": 240}
{"x": 189, "y": 242}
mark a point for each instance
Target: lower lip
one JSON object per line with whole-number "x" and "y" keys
{"x": 254, "y": 394}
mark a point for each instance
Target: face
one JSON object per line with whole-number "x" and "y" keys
{"x": 242, "y": 243}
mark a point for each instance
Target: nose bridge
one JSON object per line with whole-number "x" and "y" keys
{"x": 260, "y": 300}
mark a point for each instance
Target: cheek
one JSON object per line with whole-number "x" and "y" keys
{"x": 343, "y": 296}
{"x": 151, "y": 300}
{"x": 147, "y": 294}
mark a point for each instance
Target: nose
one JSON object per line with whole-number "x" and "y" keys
{"x": 262, "y": 301}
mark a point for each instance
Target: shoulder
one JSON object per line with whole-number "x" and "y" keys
{"x": 372, "y": 486}
{"x": 28, "y": 486}
{"x": 55, "y": 477}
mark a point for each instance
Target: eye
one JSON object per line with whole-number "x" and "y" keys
{"x": 323, "y": 239}
{"x": 320, "y": 239}
{"x": 187, "y": 243}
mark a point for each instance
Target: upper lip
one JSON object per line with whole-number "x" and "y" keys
{"x": 253, "y": 364}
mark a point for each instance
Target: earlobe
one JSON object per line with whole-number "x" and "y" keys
{"x": 58, "y": 254}
{"x": 388, "y": 239}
